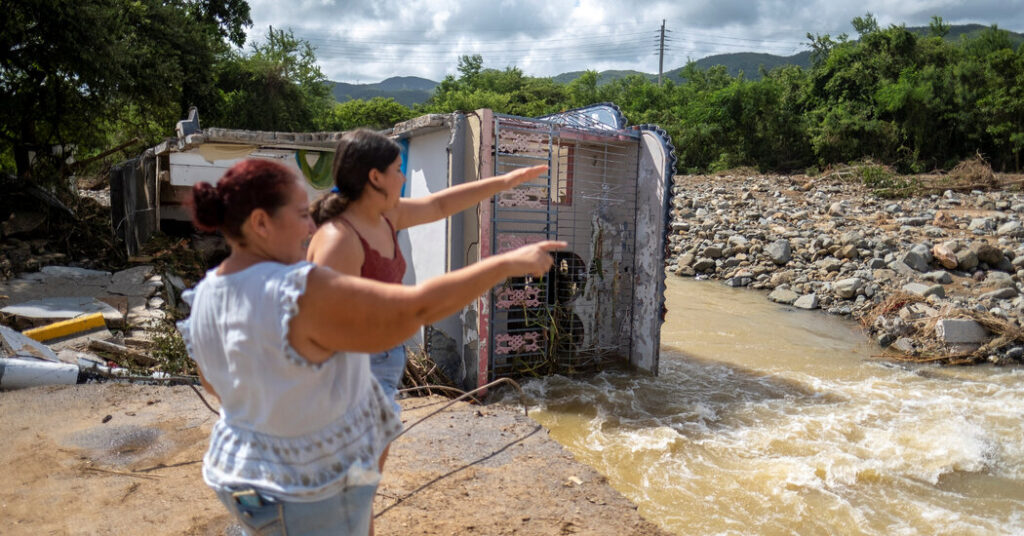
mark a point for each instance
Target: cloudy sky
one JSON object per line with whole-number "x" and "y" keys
{"x": 365, "y": 41}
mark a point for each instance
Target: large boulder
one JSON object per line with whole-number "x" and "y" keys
{"x": 987, "y": 253}
{"x": 779, "y": 251}
{"x": 847, "y": 288}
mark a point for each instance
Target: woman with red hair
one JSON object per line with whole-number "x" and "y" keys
{"x": 280, "y": 342}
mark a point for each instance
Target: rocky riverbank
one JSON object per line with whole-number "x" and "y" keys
{"x": 932, "y": 277}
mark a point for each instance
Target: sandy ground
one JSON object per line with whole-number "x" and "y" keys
{"x": 125, "y": 459}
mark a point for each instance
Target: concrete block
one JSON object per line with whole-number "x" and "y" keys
{"x": 960, "y": 331}
{"x": 49, "y": 310}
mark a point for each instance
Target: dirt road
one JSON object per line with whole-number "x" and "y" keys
{"x": 117, "y": 459}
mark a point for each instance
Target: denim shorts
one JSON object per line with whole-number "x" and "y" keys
{"x": 348, "y": 512}
{"x": 388, "y": 367}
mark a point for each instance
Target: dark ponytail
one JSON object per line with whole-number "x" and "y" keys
{"x": 248, "y": 185}
{"x": 357, "y": 153}
{"x": 327, "y": 207}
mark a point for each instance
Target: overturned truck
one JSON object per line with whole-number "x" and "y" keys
{"x": 606, "y": 194}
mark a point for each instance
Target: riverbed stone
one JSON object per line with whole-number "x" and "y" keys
{"x": 915, "y": 260}
{"x": 784, "y": 296}
{"x": 1000, "y": 294}
{"x": 945, "y": 254}
{"x": 703, "y": 265}
{"x": 903, "y": 269}
{"x": 807, "y": 301}
{"x": 904, "y": 345}
{"x": 920, "y": 289}
{"x": 999, "y": 280}
{"x": 987, "y": 253}
{"x": 981, "y": 225}
{"x": 966, "y": 260}
{"x": 1010, "y": 228}
{"x": 847, "y": 288}
{"x": 739, "y": 281}
{"x": 848, "y": 252}
{"x": 939, "y": 276}
{"x": 779, "y": 251}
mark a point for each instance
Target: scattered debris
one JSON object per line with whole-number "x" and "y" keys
{"x": 14, "y": 345}
{"x": 21, "y": 373}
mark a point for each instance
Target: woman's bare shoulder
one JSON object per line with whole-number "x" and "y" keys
{"x": 337, "y": 246}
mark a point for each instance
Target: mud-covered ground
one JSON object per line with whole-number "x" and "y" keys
{"x": 112, "y": 458}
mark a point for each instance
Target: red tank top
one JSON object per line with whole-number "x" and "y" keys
{"x": 377, "y": 267}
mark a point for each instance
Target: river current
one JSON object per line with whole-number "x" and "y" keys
{"x": 770, "y": 420}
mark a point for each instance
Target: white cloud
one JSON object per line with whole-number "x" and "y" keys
{"x": 370, "y": 40}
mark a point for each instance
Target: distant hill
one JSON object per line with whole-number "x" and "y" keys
{"x": 969, "y": 31}
{"x": 749, "y": 63}
{"x": 409, "y": 90}
{"x": 406, "y": 90}
{"x": 602, "y": 78}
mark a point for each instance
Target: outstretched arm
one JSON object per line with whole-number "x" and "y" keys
{"x": 340, "y": 312}
{"x": 411, "y": 212}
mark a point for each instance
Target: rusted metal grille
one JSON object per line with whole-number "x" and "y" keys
{"x": 579, "y": 316}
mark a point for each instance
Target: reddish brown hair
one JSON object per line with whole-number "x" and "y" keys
{"x": 248, "y": 185}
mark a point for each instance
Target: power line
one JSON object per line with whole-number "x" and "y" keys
{"x": 519, "y": 50}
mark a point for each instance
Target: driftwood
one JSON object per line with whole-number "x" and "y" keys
{"x": 135, "y": 356}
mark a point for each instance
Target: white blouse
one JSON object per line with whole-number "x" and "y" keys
{"x": 294, "y": 430}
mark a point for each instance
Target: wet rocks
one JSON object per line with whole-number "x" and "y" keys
{"x": 807, "y": 301}
{"x": 784, "y": 296}
{"x": 830, "y": 244}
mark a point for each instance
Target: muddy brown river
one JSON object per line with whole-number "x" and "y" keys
{"x": 768, "y": 420}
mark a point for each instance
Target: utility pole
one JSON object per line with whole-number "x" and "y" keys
{"x": 661, "y": 52}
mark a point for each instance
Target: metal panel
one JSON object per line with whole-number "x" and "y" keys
{"x": 519, "y": 327}
{"x": 133, "y": 200}
{"x": 657, "y": 163}
{"x": 579, "y": 317}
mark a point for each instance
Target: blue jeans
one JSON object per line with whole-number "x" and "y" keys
{"x": 348, "y": 512}
{"x": 388, "y": 367}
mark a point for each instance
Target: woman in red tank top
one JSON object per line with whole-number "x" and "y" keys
{"x": 359, "y": 219}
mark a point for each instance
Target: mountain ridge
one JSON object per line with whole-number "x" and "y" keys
{"x": 411, "y": 90}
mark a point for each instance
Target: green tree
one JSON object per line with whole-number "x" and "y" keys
{"x": 583, "y": 90}
{"x": 276, "y": 86}
{"x": 377, "y": 113}
{"x": 504, "y": 91}
{"x": 71, "y": 70}
{"x": 938, "y": 28}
